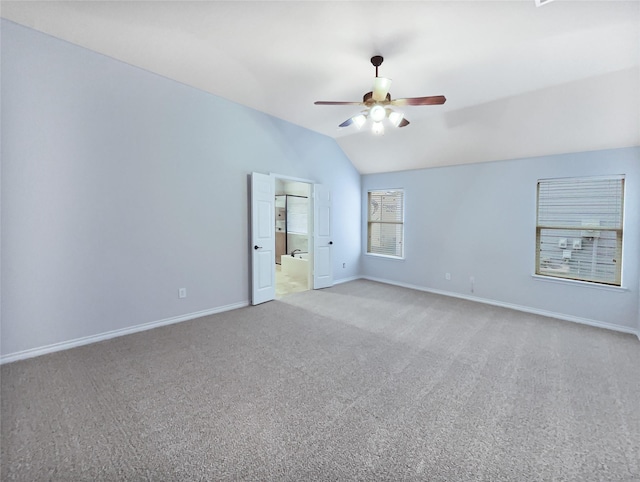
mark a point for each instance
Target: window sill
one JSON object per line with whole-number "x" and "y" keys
{"x": 384, "y": 256}
{"x": 574, "y": 282}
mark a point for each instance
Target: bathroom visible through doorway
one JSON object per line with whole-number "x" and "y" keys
{"x": 292, "y": 230}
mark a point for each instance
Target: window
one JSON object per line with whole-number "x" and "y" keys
{"x": 579, "y": 229}
{"x": 385, "y": 230}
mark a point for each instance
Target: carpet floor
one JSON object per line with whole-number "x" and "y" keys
{"x": 362, "y": 381}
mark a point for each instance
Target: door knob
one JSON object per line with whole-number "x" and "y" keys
{"x": 257, "y": 247}
{"x": 330, "y": 242}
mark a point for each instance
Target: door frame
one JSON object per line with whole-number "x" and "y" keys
{"x": 312, "y": 224}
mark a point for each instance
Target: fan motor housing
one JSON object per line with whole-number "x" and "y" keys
{"x": 368, "y": 98}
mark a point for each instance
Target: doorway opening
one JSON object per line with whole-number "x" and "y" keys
{"x": 292, "y": 231}
{"x": 317, "y": 217}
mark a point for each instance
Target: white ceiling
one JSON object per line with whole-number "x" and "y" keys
{"x": 519, "y": 80}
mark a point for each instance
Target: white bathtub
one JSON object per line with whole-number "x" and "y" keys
{"x": 296, "y": 268}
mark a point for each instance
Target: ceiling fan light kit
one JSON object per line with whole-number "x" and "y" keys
{"x": 378, "y": 102}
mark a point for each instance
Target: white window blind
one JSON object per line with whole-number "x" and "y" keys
{"x": 386, "y": 223}
{"x": 579, "y": 228}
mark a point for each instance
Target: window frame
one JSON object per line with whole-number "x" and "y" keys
{"x": 619, "y": 236}
{"x": 400, "y": 222}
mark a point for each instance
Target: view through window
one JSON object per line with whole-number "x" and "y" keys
{"x": 385, "y": 231}
{"x": 579, "y": 228}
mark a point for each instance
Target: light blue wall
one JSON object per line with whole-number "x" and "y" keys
{"x": 479, "y": 220}
{"x": 120, "y": 186}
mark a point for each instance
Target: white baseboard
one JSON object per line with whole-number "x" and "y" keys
{"x": 33, "y": 352}
{"x": 346, "y": 280}
{"x": 65, "y": 345}
{"x": 526, "y": 309}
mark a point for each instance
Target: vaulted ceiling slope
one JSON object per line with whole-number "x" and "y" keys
{"x": 519, "y": 80}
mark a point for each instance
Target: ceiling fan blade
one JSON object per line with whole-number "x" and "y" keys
{"x": 346, "y": 123}
{"x": 403, "y": 123}
{"x": 331, "y": 102}
{"x": 381, "y": 87}
{"x": 433, "y": 100}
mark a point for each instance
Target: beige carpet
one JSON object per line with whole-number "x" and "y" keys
{"x": 362, "y": 381}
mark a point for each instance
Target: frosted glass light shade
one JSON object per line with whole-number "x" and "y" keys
{"x": 377, "y": 128}
{"x": 396, "y": 118}
{"x": 359, "y": 120}
{"x": 377, "y": 113}
{"x": 381, "y": 87}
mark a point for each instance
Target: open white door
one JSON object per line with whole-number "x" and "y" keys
{"x": 263, "y": 239}
{"x": 322, "y": 260}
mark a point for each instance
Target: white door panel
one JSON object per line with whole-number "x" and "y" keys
{"x": 263, "y": 244}
{"x": 322, "y": 250}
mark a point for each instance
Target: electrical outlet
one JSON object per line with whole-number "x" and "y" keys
{"x": 447, "y": 276}
{"x": 182, "y": 293}
{"x": 344, "y": 265}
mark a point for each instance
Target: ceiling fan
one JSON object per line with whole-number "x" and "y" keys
{"x": 378, "y": 104}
